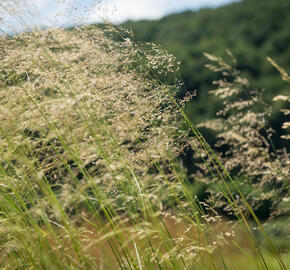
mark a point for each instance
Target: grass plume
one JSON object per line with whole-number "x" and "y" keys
{"x": 90, "y": 134}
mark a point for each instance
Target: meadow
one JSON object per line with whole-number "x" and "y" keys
{"x": 92, "y": 135}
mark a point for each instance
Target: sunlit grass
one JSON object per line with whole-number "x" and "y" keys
{"x": 90, "y": 134}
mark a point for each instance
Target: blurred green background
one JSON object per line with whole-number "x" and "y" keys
{"x": 250, "y": 29}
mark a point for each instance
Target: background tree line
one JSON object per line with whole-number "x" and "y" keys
{"x": 250, "y": 29}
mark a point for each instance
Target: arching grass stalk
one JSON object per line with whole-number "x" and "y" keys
{"x": 215, "y": 161}
{"x": 220, "y": 168}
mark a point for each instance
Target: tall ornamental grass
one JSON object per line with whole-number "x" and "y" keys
{"x": 90, "y": 176}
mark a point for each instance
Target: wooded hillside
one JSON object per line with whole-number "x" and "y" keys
{"x": 250, "y": 29}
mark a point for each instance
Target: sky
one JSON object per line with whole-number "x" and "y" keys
{"x": 50, "y": 13}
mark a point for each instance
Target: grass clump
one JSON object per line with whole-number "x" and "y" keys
{"x": 244, "y": 141}
{"x": 90, "y": 134}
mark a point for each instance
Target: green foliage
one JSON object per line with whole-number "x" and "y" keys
{"x": 252, "y": 30}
